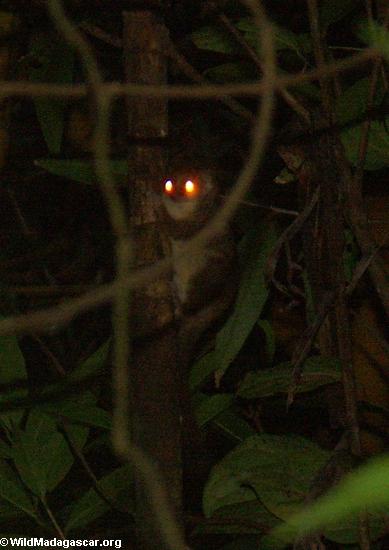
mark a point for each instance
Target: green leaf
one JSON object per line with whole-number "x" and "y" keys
{"x": 212, "y": 406}
{"x": 12, "y": 365}
{"x": 214, "y": 39}
{"x": 9, "y": 512}
{"x": 247, "y": 542}
{"x": 271, "y": 542}
{"x": 278, "y": 468}
{"x": 12, "y": 490}
{"x": 82, "y": 171}
{"x": 364, "y": 489}
{"x": 352, "y": 103}
{"x": 42, "y": 455}
{"x": 81, "y": 413}
{"x": 117, "y": 488}
{"x": 29, "y": 451}
{"x": 58, "y": 460}
{"x": 56, "y": 60}
{"x": 252, "y": 295}
{"x": 347, "y": 531}
{"x": 375, "y": 35}
{"x": 230, "y": 72}
{"x": 93, "y": 365}
{"x": 5, "y": 450}
{"x": 377, "y": 156}
{"x": 12, "y": 371}
{"x": 59, "y": 456}
{"x": 270, "y": 339}
{"x": 233, "y": 426}
{"x": 318, "y": 371}
{"x": 202, "y": 369}
{"x": 285, "y": 39}
{"x": 308, "y": 90}
{"x": 245, "y": 517}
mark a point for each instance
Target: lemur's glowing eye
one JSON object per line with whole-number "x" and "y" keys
{"x": 169, "y": 187}
{"x": 190, "y": 188}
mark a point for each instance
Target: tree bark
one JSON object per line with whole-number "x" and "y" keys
{"x": 154, "y": 380}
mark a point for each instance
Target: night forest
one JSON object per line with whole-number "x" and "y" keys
{"x": 194, "y": 261}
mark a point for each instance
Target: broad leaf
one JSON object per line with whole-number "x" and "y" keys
{"x": 214, "y": 39}
{"x": 12, "y": 372}
{"x": 12, "y": 490}
{"x": 350, "y": 106}
{"x": 80, "y": 413}
{"x": 202, "y": 369}
{"x": 277, "y": 469}
{"x": 212, "y": 406}
{"x": 377, "y": 156}
{"x": 82, "y": 171}
{"x": 5, "y": 450}
{"x": 252, "y": 296}
{"x": 246, "y": 517}
{"x": 230, "y": 72}
{"x": 30, "y": 449}
{"x": 270, "y": 339}
{"x": 352, "y": 103}
{"x": 56, "y": 60}
{"x": 317, "y": 371}
{"x": 364, "y": 489}
{"x": 248, "y": 542}
{"x": 41, "y": 453}
{"x": 217, "y": 40}
{"x": 376, "y": 36}
{"x": 285, "y": 39}
{"x": 117, "y": 492}
{"x": 233, "y": 426}
{"x": 93, "y": 365}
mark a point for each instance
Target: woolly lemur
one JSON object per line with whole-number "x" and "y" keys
{"x": 204, "y": 287}
{"x": 204, "y": 284}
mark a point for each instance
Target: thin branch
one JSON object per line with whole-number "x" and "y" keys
{"x": 58, "y": 367}
{"x": 55, "y": 317}
{"x": 169, "y": 528}
{"x": 214, "y": 91}
{"x": 46, "y": 319}
{"x": 326, "y": 85}
{"x": 100, "y": 34}
{"x": 194, "y": 75}
{"x": 52, "y": 518}
{"x": 79, "y": 455}
{"x": 38, "y": 290}
{"x": 364, "y": 139}
{"x": 186, "y": 68}
{"x": 276, "y": 209}
{"x": 288, "y": 234}
{"x": 285, "y": 94}
{"x": 102, "y": 104}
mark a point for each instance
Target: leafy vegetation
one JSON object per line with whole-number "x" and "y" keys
{"x": 58, "y": 476}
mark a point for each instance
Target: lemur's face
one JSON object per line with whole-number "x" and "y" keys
{"x": 183, "y": 193}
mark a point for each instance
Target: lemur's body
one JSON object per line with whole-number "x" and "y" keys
{"x": 204, "y": 282}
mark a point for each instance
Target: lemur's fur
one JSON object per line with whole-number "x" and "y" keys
{"x": 205, "y": 282}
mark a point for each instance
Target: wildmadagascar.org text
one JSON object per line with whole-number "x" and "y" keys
{"x": 66, "y": 543}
